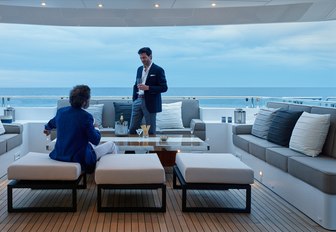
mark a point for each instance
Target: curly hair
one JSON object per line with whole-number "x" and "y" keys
{"x": 146, "y": 50}
{"x": 80, "y": 96}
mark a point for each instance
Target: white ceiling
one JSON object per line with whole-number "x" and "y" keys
{"x": 134, "y": 13}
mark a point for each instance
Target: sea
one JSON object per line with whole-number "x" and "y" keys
{"x": 208, "y": 96}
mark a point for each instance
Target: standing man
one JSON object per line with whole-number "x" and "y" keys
{"x": 150, "y": 83}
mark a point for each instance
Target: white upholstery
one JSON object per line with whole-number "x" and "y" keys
{"x": 213, "y": 168}
{"x": 129, "y": 169}
{"x": 2, "y": 129}
{"x": 310, "y": 133}
{"x": 39, "y": 166}
{"x": 170, "y": 117}
{"x": 96, "y": 110}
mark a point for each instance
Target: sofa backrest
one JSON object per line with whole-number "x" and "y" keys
{"x": 108, "y": 116}
{"x": 109, "y": 110}
{"x": 289, "y": 106}
{"x": 329, "y": 147}
{"x": 190, "y": 109}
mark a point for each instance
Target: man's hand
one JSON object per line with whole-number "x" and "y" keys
{"x": 143, "y": 87}
{"x": 46, "y": 132}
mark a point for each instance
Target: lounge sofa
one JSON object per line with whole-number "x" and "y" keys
{"x": 308, "y": 183}
{"x": 112, "y": 108}
{"x": 9, "y": 145}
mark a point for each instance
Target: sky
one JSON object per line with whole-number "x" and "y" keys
{"x": 261, "y": 55}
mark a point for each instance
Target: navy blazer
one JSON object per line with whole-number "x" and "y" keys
{"x": 74, "y": 132}
{"x": 156, "y": 80}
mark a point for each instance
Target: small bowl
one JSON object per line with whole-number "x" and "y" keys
{"x": 163, "y": 138}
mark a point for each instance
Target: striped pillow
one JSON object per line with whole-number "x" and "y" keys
{"x": 170, "y": 117}
{"x": 263, "y": 122}
{"x": 282, "y": 126}
{"x": 96, "y": 111}
{"x": 310, "y": 133}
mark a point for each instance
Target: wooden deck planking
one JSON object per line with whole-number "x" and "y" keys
{"x": 269, "y": 212}
{"x": 279, "y": 214}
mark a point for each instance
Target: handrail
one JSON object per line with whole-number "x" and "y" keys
{"x": 164, "y": 97}
{"x": 247, "y": 101}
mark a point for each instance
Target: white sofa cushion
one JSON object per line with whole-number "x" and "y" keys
{"x": 96, "y": 111}
{"x": 213, "y": 168}
{"x": 39, "y": 166}
{"x": 2, "y": 129}
{"x": 129, "y": 169}
{"x": 170, "y": 117}
{"x": 309, "y": 133}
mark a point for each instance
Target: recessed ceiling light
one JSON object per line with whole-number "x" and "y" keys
{"x": 213, "y": 4}
{"x": 156, "y": 5}
{"x": 100, "y": 5}
{"x": 43, "y": 4}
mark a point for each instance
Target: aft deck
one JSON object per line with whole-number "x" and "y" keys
{"x": 269, "y": 211}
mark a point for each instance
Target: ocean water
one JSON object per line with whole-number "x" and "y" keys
{"x": 234, "y": 96}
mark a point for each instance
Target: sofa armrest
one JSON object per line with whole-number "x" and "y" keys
{"x": 13, "y": 128}
{"x": 197, "y": 127}
{"x": 241, "y": 129}
{"x": 197, "y": 124}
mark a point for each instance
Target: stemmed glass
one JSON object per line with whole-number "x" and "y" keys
{"x": 138, "y": 81}
{"x": 139, "y": 131}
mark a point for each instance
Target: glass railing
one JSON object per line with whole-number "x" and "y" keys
{"x": 205, "y": 101}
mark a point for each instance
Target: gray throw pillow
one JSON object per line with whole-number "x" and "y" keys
{"x": 282, "y": 126}
{"x": 263, "y": 122}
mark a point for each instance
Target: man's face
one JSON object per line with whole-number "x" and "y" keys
{"x": 146, "y": 60}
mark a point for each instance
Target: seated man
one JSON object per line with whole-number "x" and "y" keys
{"x": 77, "y": 135}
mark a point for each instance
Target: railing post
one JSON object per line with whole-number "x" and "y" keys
{"x": 252, "y": 102}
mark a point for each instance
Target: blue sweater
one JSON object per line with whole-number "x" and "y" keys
{"x": 74, "y": 132}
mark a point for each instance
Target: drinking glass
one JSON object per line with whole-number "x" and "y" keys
{"x": 138, "y": 81}
{"x": 48, "y": 140}
{"x": 145, "y": 129}
{"x": 139, "y": 131}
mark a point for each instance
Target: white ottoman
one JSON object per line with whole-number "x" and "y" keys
{"x": 212, "y": 171}
{"x": 38, "y": 171}
{"x": 130, "y": 171}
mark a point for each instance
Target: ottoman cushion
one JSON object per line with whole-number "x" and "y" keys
{"x": 129, "y": 169}
{"x": 39, "y": 166}
{"x": 213, "y": 168}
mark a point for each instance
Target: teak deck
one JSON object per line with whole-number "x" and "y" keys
{"x": 268, "y": 213}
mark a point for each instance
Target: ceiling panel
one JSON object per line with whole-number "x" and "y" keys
{"x": 332, "y": 15}
{"x": 219, "y": 3}
{"x": 129, "y": 4}
{"x": 171, "y": 13}
{"x": 320, "y": 11}
{"x": 33, "y": 3}
{"x": 62, "y": 3}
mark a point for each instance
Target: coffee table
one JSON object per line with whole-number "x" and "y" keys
{"x": 166, "y": 150}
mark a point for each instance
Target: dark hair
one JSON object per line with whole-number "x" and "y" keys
{"x": 146, "y": 50}
{"x": 80, "y": 96}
